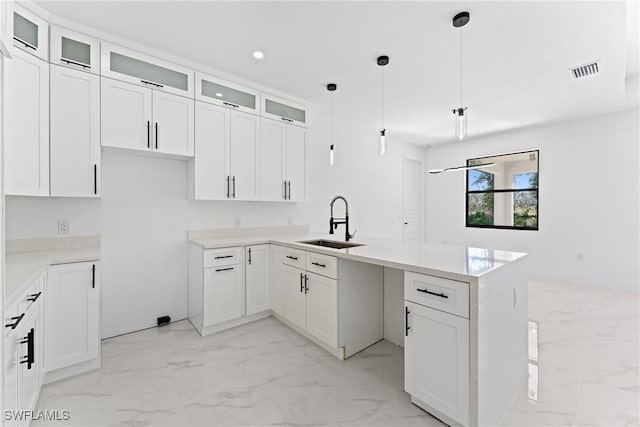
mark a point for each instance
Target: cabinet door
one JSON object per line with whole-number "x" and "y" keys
{"x": 437, "y": 360}
{"x": 245, "y": 140}
{"x": 322, "y": 308}
{"x": 277, "y": 278}
{"x": 223, "y": 294}
{"x": 72, "y": 314}
{"x": 294, "y": 306}
{"x": 210, "y": 167}
{"x": 272, "y": 154}
{"x": 6, "y": 28}
{"x": 10, "y": 374}
{"x": 257, "y": 278}
{"x": 227, "y": 94}
{"x": 75, "y": 133}
{"x": 30, "y": 32}
{"x": 125, "y": 115}
{"x": 27, "y": 373}
{"x": 26, "y": 121}
{"x": 283, "y": 110}
{"x": 296, "y": 162}
{"x": 75, "y": 50}
{"x": 172, "y": 124}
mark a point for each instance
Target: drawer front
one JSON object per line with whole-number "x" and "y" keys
{"x": 445, "y": 295}
{"x": 294, "y": 257}
{"x": 324, "y": 265}
{"x": 222, "y": 256}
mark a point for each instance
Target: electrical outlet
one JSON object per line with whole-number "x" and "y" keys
{"x": 237, "y": 221}
{"x": 64, "y": 226}
{"x": 579, "y": 257}
{"x": 290, "y": 220}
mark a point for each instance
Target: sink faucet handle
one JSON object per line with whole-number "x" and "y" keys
{"x": 353, "y": 234}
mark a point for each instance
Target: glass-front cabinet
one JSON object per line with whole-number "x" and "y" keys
{"x": 227, "y": 94}
{"x": 30, "y": 32}
{"x": 283, "y": 110}
{"x": 75, "y": 50}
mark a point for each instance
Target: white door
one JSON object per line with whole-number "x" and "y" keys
{"x": 272, "y": 146}
{"x": 294, "y": 306}
{"x": 125, "y": 116}
{"x": 276, "y": 273}
{"x": 72, "y": 314}
{"x": 10, "y": 374}
{"x": 412, "y": 200}
{"x": 75, "y": 133}
{"x": 223, "y": 294}
{"x": 172, "y": 124}
{"x": 213, "y": 138}
{"x": 296, "y": 162}
{"x": 257, "y": 278}
{"x": 26, "y": 122}
{"x": 245, "y": 140}
{"x": 436, "y": 350}
{"x": 322, "y": 308}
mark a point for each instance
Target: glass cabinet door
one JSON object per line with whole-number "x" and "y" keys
{"x": 284, "y": 110}
{"x": 30, "y": 32}
{"x": 75, "y": 50}
{"x": 227, "y": 94}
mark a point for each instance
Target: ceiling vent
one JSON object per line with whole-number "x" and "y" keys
{"x": 585, "y": 70}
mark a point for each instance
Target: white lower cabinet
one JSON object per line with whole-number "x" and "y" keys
{"x": 436, "y": 354}
{"x": 72, "y": 315}
{"x": 223, "y": 294}
{"x": 322, "y": 308}
{"x": 294, "y": 300}
{"x": 257, "y": 281}
{"x": 276, "y": 278}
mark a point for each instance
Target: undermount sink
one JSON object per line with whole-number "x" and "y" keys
{"x": 331, "y": 244}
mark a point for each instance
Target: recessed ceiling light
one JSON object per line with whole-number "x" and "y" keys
{"x": 258, "y": 55}
{"x": 219, "y": 95}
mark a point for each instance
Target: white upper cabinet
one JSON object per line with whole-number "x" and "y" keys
{"x": 130, "y": 66}
{"x": 74, "y": 50}
{"x": 283, "y": 161}
{"x": 137, "y": 118}
{"x": 30, "y": 32}
{"x": 26, "y": 125}
{"x": 6, "y": 28}
{"x": 74, "y": 133}
{"x": 227, "y": 94}
{"x": 245, "y": 149}
{"x": 283, "y": 110}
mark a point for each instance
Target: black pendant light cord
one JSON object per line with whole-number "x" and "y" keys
{"x": 382, "y": 98}
{"x": 461, "y": 68}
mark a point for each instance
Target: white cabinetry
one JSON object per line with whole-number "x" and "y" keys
{"x": 75, "y": 133}
{"x": 138, "y": 118}
{"x": 322, "y": 308}
{"x": 437, "y": 346}
{"x": 227, "y": 94}
{"x": 26, "y": 121}
{"x": 30, "y": 32}
{"x": 283, "y": 161}
{"x": 226, "y": 165}
{"x": 6, "y": 28}
{"x": 223, "y": 294}
{"x": 283, "y": 110}
{"x": 74, "y": 50}
{"x": 72, "y": 315}
{"x": 294, "y": 301}
{"x": 257, "y": 283}
{"x": 276, "y": 278}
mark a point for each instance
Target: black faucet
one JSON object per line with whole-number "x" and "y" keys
{"x": 334, "y": 222}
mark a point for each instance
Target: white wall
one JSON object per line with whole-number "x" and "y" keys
{"x": 588, "y": 202}
{"x": 143, "y": 216}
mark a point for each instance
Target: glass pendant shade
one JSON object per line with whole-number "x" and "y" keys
{"x": 331, "y": 155}
{"x": 382, "y": 145}
{"x": 460, "y": 123}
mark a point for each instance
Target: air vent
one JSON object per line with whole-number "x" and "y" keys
{"x": 585, "y": 70}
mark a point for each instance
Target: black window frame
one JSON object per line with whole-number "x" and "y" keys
{"x": 518, "y": 190}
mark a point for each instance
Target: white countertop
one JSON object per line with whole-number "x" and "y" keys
{"x": 22, "y": 268}
{"x": 454, "y": 262}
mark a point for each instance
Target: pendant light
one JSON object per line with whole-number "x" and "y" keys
{"x": 331, "y": 87}
{"x": 460, "y": 122}
{"x": 382, "y": 144}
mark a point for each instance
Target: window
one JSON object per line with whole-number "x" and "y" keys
{"x": 503, "y": 194}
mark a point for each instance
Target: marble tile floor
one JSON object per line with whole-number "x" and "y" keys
{"x": 584, "y": 350}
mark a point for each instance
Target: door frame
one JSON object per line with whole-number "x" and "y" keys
{"x": 421, "y": 201}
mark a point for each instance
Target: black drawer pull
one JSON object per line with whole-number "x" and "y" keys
{"x": 16, "y": 323}
{"x": 93, "y": 276}
{"x": 224, "y": 256}
{"x": 228, "y": 104}
{"x": 406, "y": 321}
{"x": 306, "y": 284}
{"x": 95, "y": 179}
{"x": 34, "y": 297}
{"x": 295, "y": 258}
{"x": 432, "y": 293}
{"x": 151, "y": 83}
{"x": 249, "y": 256}
{"x": 29, "y": 359}
{"x": 301, "y": 283}
{"x": 224, "y": 269}
{"x": 319, "y": 265}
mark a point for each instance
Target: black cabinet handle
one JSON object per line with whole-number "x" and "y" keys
{"x": 406, "y": 321}
{"x": 223, "y": 256}
{"x": 34, "y": 297}
{"x": 295, "y": 258}
{"x": 228, "y": 104}
{"x": 30, "y": 357}
{"x": 93, "y": 276}
{"x": 285, "y": 190}
{"x": 148, "y": 134}
{"x": 319, "y": 265}
{"x": 306, "y": 284}
{"x": 286, "y": 119}
{"x": 234, "y": 186}
{"x": 29, "y": 45}
{"x": 80, "y": 64}
{"x": 249, "y": 256}
{"x": 16, "y": 323}
{"x": 151, "y": 83}
{"x": 228, "y": 181}
{"x": 301, "y": 284}
{"x": 95, "y": 179}
{"x": 432, "y": 293}
{"x": 224, "y": 269}
{"x": 156, "y": 135}
{"x": 289, "y": 185}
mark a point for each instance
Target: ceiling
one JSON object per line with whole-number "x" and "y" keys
{"x": 515, "y": 55}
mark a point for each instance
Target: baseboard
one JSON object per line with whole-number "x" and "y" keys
{"x": 70, "y": 371}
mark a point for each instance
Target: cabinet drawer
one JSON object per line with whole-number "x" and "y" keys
{"x": 324, "y": 265}
{"x": 294, "y": 257}
{"x": 222, "y": 256}
{"x": 446, "y": 295}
